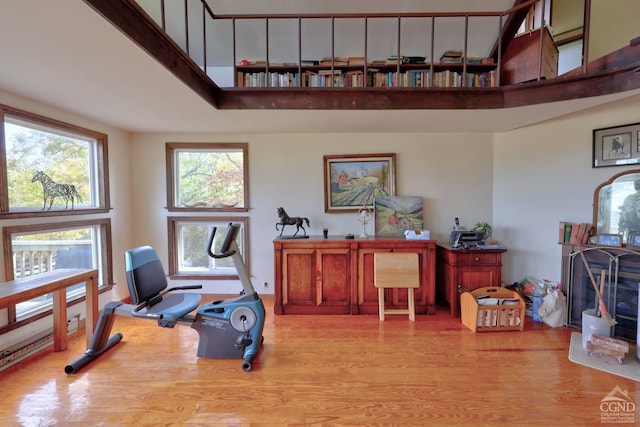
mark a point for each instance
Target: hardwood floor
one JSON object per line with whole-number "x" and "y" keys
{"x": 324, "y": 370}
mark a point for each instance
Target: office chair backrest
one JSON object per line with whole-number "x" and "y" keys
{"x": 145, "y": 275}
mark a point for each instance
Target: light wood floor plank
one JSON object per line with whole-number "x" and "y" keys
{"x": 324, "y": 370}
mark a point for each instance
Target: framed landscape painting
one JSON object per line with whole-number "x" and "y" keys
{"x": 353, "y": 181}
{"x": 394, "y": 215}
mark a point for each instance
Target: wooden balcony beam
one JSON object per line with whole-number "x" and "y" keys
{"x": 132, "y": 20}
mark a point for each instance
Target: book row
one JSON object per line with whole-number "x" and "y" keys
{"x": 338, "y": 78}
{"x": 422, "y": 78}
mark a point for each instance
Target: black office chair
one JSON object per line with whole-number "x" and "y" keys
{"x": 147, "y": 283}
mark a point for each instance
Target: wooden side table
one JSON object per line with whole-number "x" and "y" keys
{"x": 467, "y": 269}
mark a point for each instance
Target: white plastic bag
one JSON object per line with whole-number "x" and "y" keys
{"x": 553, "y": 308}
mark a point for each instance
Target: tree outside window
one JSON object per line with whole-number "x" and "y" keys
{"x": 39, "y": 160}
{"x": 207, "y": 176}
{"x": 50, "y": 167}
{"x": 188, "y": 244}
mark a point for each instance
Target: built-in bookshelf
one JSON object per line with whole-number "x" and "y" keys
{"x": 480, "y": 74}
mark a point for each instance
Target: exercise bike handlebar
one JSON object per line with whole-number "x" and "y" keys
{"x": 225, "y": 251}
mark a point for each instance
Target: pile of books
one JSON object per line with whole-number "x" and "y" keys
{"x": 393, "y": 60}
{"x": 451, "y": 57}
{"x": 337, "y": 61}
{"x": 479, "y": 60}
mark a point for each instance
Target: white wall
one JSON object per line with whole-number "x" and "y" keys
{"x": 543, "y": 175}
{"x": 613, "y": 24}
{"x": 523, "y": 182}
{"x": 452, "y": 172}
{"x": 120, "y": 184}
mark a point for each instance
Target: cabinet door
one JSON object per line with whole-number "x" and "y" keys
{"x": 334, "y": 279}
{"x": 316, "y": 281}
{"x": 478, "y": 277}
{"x": 298, "y": 277}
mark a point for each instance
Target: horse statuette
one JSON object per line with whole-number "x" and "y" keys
{"x": 291, "y": 220}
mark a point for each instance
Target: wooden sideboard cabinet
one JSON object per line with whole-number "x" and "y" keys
{"x": 467, "y": 268}
{"x": 521, "y": 61}
{"x": 335, "y": 275}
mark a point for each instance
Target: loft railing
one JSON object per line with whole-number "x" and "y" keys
{"x": 192, "y": 32}
{"x": 616, "y": 72}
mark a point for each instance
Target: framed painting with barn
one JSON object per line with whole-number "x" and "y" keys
{"x": 353, "y": 181}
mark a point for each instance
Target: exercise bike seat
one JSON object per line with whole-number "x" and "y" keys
{"x": 147, "y": 284}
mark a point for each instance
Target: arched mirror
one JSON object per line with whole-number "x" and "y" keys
{"x": 616, "y": 205}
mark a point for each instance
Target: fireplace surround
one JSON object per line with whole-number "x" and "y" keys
{"x": 621, "y": 267}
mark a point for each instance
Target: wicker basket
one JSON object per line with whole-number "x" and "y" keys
{"x": 505, "y": 312}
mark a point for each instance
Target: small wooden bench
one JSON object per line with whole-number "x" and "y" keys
{"x": 56, "y": 282}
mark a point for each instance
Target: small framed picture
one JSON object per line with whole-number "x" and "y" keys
{"x": 633, "y": 241}
{"x": 610, "y": 240}
{"x": 616, "y": 146}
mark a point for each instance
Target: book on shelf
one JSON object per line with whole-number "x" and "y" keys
{"x": 573, "y": 236}
{"x": 474, "y": 60}
{"x": 416, "y": 59}
{"x": 574, "y": 233}
{"x": 452, "y": 53}
{"x": 337, "y": 61}
{"x": 450, "y": 60}
{"x": 451, "y": 57}
{"x": 323, "y": 78}
{"x": 394, "y": 60}
{"x": 354, "y": 78}
{"x": 309, "y": 62}
{"x": 356, "y": 60}
{"x": 377, "y": 63}
{"x": 479, "y": 60}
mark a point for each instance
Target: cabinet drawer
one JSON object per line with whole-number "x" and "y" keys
{"x": 477, "y": 259}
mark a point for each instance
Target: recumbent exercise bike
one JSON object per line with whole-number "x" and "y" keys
{"x": 228, "y": 328}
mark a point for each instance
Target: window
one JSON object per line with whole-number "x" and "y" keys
{"x": 34, "y": 249}
{"x": 207, "y": 177}
{"x": 188, "y": 241}
{"x": 569, "y": 56}
{"x": 49, "y": 167}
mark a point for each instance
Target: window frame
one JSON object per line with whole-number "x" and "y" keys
{"x": 106, "y": 272}
{"x": 102, "y": 166}
{"x": 171, "y": 151}
{"x": 172, "y": 233}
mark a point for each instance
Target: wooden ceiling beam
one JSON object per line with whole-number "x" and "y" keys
{"x": 133, "y": 21}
